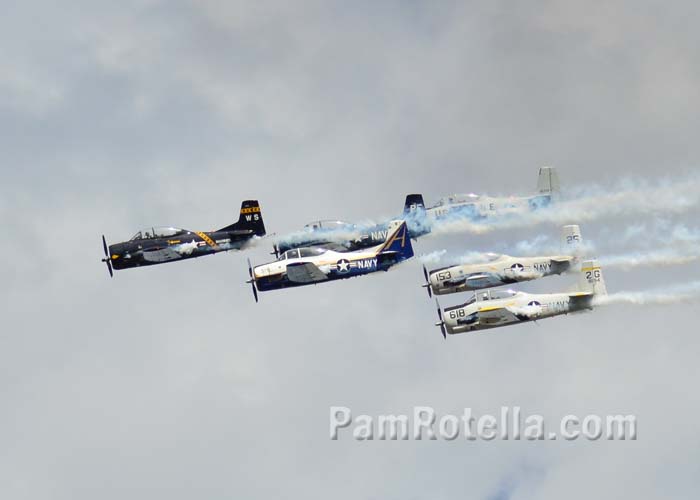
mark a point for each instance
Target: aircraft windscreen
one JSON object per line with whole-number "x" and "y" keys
{"x": 326, "y": 224}
{"x": 290, "y": 254}
{"x": 459, "y": 198}
{"x": 311, "y": 252}
{"x": 491, "y": 295}
{"x": 157, "y": 232}
{"x": 165, "y": 232}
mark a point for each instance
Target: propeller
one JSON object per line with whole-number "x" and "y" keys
{"x": 441, "y": 323}
{"x": 252, "y": 281}
{"x": 275, "y": 251}
{"x": 107, "y": 260}
{"x": 427, "y": 282}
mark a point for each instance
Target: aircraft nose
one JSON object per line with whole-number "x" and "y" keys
{"x": 116, "y": 252}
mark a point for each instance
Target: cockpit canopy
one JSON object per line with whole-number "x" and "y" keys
{"x": 302, "y": 253}
{"x": 459, "y": 198}
{"x": 320, "y": 225}
{"x": 157, "y": 232}
{"x": 491, "y": 295}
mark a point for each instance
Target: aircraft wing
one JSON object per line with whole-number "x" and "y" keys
{"x": 495, "y": 314}
{"x": 162, "y": 255}
{"x": 305, "y": 272}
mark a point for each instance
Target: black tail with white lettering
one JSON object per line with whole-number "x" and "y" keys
{"x": 251, "y": 219}
{"x": 414, "y": 203}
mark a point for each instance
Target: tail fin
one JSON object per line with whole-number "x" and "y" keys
{"x": 250, "y": 219}
{"x": 571, "y": 240}
{"x": 591, "y": 279}
{"x": 414, "y": 202}
{"x": 548, "y": 181}
{"x": 398, "y": 240}
{"x": 415, "y": 215}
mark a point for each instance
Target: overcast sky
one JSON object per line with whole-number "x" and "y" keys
{"x": 170, "y": 382}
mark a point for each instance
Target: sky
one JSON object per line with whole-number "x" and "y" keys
{"x": 171, "y": 382}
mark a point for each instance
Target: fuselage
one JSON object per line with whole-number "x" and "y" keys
{"x": 473, "y": 206}
{"x": 348, "y": 237}
{"x": 482, "y": 313}
{"x": 149, "y": 248}
{"x": 333, "y": 264}
{"x": 501, "y": 270}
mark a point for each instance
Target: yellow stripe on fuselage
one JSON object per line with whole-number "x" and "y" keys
{"x": 495, "y": 308}
{"x": 207, "y": 239}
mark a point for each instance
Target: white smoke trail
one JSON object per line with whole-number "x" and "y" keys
{"x": 432, "y": 257}
{"x": 440, "y": 256}
{"x": 659, "y": 258}
{"x": 671, "y": 295}
{"x": 661, "y": 232}
{"x": 628, "y": 198}
{"x": 337, "y": 235}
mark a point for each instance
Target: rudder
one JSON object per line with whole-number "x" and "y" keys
{"x": 398, "y": 241}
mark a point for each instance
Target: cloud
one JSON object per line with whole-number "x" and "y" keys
{"x": 171, "y": 381}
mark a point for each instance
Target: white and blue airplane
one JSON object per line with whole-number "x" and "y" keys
{"x": 474, "y": 206}
{"x": 347, "y": 236}
{"x": 316, "y": 264}
{"x": 494, "y": 309}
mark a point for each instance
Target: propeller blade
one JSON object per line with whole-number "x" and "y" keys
{"x": 441, "y": 324}
{"x": 276, "y": 251}
{"x": 427, "y": 285}
{"x": 252, "y": 281}
{"x": 107, "y": 260}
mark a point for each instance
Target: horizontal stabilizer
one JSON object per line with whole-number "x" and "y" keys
{"x": 561, "y": 260}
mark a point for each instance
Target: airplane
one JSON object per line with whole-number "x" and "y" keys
{"x": 474, "y": 206}
{"x": 348, "y": 237}
{"x": 494, "y": 309}
{"x": 503, "y": 269}
{"x": 314, "y": 265}
{"x": 345, "y": 236}
{"x": 158, "y": 245}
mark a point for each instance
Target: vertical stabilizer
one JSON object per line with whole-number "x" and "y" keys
{"x": 548, "y": 181}
{"x": 591, "y": 280}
